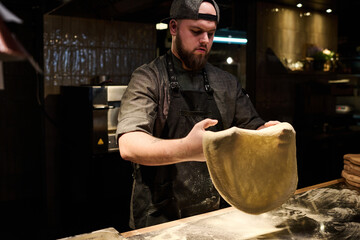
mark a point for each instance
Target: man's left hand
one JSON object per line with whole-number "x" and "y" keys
{"x": 268, "y": 124}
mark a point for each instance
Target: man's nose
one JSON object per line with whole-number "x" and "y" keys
{"x": 204, "y": 38}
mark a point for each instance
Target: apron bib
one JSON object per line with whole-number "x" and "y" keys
{"x": 183, "y": 189}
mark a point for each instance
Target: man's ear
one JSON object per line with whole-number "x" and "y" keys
{"x": 173, "y": 26}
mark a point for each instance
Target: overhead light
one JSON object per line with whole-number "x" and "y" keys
{"x": 329, "y": 10}
{"x": 230, "y": 40}
{"x": 307, "y": 14}
{"x": 225, "y": 35}
{"x": 161, "y": 26}
{"x": 339, "y": 81}
{"x": 299, "y": 5}
{"x": 229, "y": 60}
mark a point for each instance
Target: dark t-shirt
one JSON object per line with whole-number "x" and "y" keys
{"x": 145, "y": 104}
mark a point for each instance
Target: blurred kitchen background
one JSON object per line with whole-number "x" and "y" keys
{"x": 60, "y": 171}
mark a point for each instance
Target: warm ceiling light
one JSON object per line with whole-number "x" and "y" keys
{"x": 299, "y": 5}
{"x": 339, "y": 81}
{"x": 161, "y": 26}
{"x": 329, "y": 10}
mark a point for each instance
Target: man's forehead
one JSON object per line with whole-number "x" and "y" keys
{"x": 207, "y": 8}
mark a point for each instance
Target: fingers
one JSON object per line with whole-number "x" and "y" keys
{"x": 268, "y": 124}
{"x": 206, "y": 123}
{"x": 271, "y": 123}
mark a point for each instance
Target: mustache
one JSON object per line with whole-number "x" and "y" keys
{"x": 202, "y": 47}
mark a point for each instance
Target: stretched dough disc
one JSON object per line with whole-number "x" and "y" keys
{"x": 253, "y": 170}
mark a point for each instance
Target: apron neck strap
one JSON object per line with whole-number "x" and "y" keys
{"x": 174, "y": 84}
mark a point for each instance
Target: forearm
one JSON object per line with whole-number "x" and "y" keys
{"x": 142, "y": 148}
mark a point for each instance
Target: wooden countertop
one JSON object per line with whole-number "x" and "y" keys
{"x": 230, "y": 223}
{"x": 209, "y": 215}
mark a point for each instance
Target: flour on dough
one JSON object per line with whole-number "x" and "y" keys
{"x": 253, "y": 170}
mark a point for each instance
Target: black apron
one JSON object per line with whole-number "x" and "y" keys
{"x": 165, "y": 193}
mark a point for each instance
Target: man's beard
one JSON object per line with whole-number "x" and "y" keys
{"x": 192, "y": 61}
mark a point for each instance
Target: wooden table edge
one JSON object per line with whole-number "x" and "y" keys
{"x": 213, "y": 213}
{"x": 320, "y": 185}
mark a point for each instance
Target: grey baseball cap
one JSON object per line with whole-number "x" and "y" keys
{"x": 189, "y": 9}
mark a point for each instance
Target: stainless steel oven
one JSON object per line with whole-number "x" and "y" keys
{"x": 90, "y": 116}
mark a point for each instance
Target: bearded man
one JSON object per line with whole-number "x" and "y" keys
{"x": 164, "y": 112}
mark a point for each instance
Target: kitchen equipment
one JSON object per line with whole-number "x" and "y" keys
{"x": 101, "y": 80}
{"x": 343, "y": 109}
{"x": 90, "y": 116}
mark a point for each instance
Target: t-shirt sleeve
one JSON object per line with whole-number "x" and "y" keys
{"x": 139, "y": 103}
{"x": 245, "y": 113}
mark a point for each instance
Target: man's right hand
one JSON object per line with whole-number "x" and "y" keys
{"x": 142, "y": 148}
{"x": 195, "y": 136}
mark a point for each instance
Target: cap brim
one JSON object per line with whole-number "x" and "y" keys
{"x": 166, "y": 20}
{"x": 203, "y": 16}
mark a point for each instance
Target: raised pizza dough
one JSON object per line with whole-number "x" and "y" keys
{"x": 253, "y": 170}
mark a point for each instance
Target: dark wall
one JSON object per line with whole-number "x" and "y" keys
{"x": 22, "y": 164}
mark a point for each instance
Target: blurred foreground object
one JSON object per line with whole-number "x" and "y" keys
{"x": 10, "y": 48}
